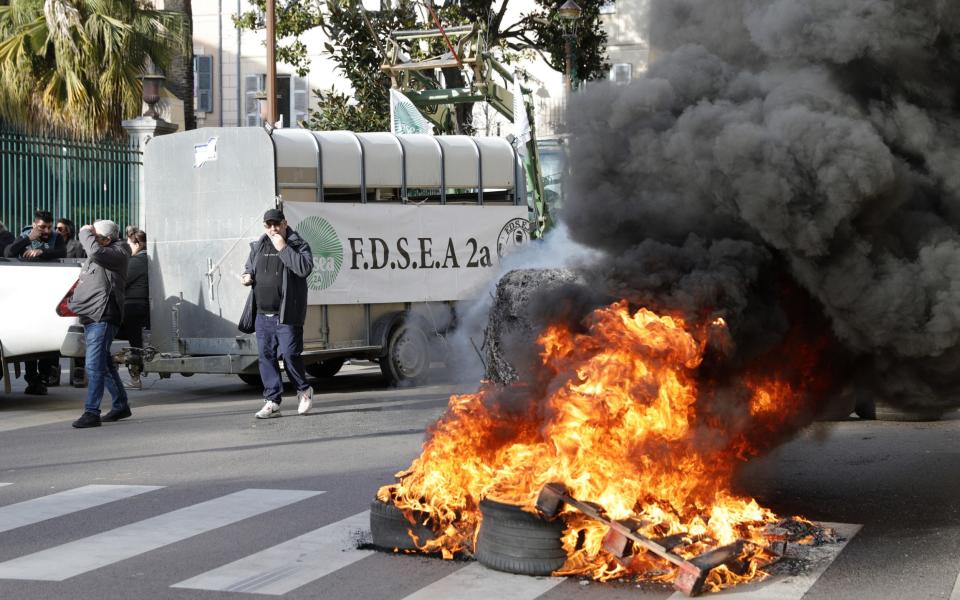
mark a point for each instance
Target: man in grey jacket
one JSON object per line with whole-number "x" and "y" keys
{"x": 277, "y": 268}
{"x": 98, "y": 300}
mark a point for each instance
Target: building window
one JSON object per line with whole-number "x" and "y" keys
{"x": 608, "y": 8}
{"x": 203, "y": 83}
{"x": 621, "y": 73}
{"x": 292, "y": 99}
{"x": 300, "y": 100}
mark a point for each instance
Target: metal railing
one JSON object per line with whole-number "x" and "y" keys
{"x": 78, "y": 180}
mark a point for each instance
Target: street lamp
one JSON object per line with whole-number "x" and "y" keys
{"x": 569, "y": 13}
{"x": 151, "y": 83}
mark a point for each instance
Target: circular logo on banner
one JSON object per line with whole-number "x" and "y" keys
{"x": 327, "y": 251}
{"x": 513, "y": 235}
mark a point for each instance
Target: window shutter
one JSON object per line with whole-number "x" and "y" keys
{"x": 621, "y": 73}
{"x": 203, "y": 83}
{"x": 251, "y": 108}
{"x": 300, "y": 101}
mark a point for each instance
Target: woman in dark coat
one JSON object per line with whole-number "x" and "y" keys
{"x": 68, "y": 232}
{"x": 136, "y": 307}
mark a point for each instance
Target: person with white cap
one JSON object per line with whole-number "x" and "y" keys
{"x": 98, "y": 300}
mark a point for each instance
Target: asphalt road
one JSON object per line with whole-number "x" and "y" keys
{"x": 194, "y": 498}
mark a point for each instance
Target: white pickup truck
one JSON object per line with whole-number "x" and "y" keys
{"x": 29, "y": 295}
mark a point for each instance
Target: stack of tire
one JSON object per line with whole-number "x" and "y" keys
{"x": 516, "y": 541}
{"x": 510, "y": 540}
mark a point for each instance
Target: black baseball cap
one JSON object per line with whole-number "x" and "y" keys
{"x": 274, "y": 214}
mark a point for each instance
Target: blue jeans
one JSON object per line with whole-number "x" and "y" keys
{"x": 101, "y": 370}
{"x": 276, "y": 340}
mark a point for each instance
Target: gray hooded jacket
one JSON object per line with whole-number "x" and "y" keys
{"x": 104, "y": 276}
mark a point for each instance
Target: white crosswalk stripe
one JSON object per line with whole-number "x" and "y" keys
{"x": 66, "y": 502}
{"x": 305, "y": 559}
{"x": 289, "y": 565}
{"x": 21, "y": 419}
{"x": 94, "y": 552}
{"x": 476, "y": 582}
{"x": 795, "y": 586}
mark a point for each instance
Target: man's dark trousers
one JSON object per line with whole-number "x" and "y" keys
{"x": 38, "y": 371}
{"x": 276, "y": 341}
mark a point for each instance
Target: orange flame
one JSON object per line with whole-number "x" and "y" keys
{"x": 617, "y": 422}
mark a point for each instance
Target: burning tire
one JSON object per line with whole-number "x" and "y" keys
{"x": 390, "y": 529}
{"x": 325, "y": 368}
{"x": 510, "y": 333}
{"x": 408, "y": 355}
{"x": 516, "y": 541}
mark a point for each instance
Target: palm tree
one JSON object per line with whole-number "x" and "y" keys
{"x": 180, "y": 74}
{"x": 71, "y": 66}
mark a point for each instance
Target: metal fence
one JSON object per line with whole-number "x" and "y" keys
{"x": 81, "y": 181}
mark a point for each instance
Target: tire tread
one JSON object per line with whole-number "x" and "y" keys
{"x": 389, "y": 528}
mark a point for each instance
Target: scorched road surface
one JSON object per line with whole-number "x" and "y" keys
{"x": 194, "y": 498}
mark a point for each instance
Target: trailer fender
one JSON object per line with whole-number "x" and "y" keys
{"x": 385, "y": 324}
{"x": 380, "y": 331}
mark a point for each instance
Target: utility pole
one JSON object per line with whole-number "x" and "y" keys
{"x": 271, "y": 62}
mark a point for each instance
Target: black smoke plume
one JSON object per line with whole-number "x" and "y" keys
{"x": 794, "y": 167}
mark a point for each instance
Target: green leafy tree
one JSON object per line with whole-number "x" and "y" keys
{"x": 356, "y": 51}
{"x": 71, "y": 66}
{"x": 357, "y": 45}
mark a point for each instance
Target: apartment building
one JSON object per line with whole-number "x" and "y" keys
{"x": 628, "y": 38}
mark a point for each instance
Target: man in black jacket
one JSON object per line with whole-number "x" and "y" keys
{"x": 277, "y": 268}
{"x": 38, "y": 242}
{"x": 98, "y": 300}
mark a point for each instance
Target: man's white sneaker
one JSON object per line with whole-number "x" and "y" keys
{"x": 269, "y": 410}
{"x": 306, "y": 401}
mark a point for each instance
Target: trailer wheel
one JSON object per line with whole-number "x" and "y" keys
{"x": 325, "y": 368}
{"x": 251, "y": 379}
{"x": 515, "y": 541}
{"x": 408, "y": 355}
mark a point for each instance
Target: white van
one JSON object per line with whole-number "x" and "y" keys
{"x": 401, "y": 228}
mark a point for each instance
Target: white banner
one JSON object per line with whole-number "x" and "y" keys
{"x": 374, "y": 253}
